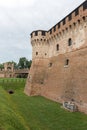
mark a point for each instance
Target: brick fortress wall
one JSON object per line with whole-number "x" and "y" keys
{"x": 59, "y": 67}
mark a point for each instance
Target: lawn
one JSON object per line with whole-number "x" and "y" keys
{"x": 20, "y": 112}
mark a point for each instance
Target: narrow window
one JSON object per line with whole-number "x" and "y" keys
{"x": 74, "y": 24}
{"x": 67, "y": 62}
{"x": 66, "y": 29}
{"x": 69, "y": 42}
{"x": 36, "y": 53}
{"x": 78, "y": 21}
{"x": 57, "y": 47}
{"x": 70, "y": 26}
{"x": 84, "y": 18}
{"x": 50, "y": 64}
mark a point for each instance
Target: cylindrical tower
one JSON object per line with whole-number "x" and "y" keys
{"x": 39, "y": 44}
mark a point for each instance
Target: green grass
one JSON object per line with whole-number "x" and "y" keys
{"x": 20, "y": 112}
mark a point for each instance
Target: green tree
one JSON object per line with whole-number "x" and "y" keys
{"x": 29, "y": 63}
{"x": 1, "y": 66}
{"x": 24, "y": 63}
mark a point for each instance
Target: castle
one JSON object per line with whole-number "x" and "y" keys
{"x": 9, "y": 72}
{"x": 59, "y": 60}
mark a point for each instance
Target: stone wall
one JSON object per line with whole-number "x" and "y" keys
{"x": 61, "y": 74}
{"x": 9, "y": 71}
{"x": 1, "y": 74}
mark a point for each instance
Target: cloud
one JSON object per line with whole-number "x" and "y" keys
{"x": 18, "y": 18}
{"x": 16, "y": 3}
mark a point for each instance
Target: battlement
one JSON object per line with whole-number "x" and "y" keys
{"x": 71, "y": 19}
{"x": 61, "y": 38}
{"x": 59, "y": 66}
{"x": 39, "y": 35}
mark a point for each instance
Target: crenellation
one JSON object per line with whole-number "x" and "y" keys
{"x": 59, "y": 60}
{"x": 61, "y": 32}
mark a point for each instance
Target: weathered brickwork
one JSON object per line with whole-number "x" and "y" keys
{"x": 10, "y": 72}
{"x": 59, "y": 67}
{"x": 7, "y": 71}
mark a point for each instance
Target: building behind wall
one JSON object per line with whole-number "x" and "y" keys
{"x": 10, "y": 72}
{"x": 59, "y": 65}
{"x": 7, "y": 71}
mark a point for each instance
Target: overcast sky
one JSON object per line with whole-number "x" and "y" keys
{"x": 18, "y": 18}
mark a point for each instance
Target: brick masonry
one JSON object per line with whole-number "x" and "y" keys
{"x": 10, "y": 72}
{"x": 59, "y": 67}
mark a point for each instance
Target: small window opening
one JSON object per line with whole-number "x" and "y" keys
{"x": 42, "y": 82}
{"x": 74, "y": 24}
{"x": 57, "y": 47}
{"x": 67, "y": 62}
{"x": 50, "y": 64}
{"x": 60, "y": 33}
{"x": 63, "y": 31}
{"x": 84, "y": 18}
{"x": 66, "y": 29}
{"x": 70, "y": 26}
{"x": 78, "y": 21}
{"x": 36, "y": 53}
{"x": 69, "y": 42}
{"x": 44, "y": 39}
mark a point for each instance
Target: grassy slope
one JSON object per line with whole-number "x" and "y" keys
{"x": 10, "y": 119}
{"x": 20, "y": 112}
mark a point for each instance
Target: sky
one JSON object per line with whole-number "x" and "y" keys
{"x": 18, "y": 18}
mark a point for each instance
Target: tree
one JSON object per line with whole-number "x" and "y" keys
{"x": 29, "y": 63}
{"x": 24, "y": 63}
{"x": 1, "y": 66}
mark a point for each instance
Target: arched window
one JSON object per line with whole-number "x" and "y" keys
{"x": 57, "y": 47}
{"x": 69, "y": 42}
